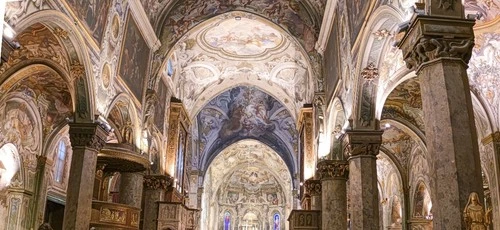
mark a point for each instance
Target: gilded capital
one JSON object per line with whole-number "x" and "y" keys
{"x": 88, "y": 135}
{"x": 333, "y": 169}
{"x": 430, "y": 38}
{"x": 313, "y": 187}
{"x": 157, "y": 182}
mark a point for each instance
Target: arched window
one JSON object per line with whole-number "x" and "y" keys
{"x": 277, "y": 221}
{"x": 60, "y": 161}
{"x": 227, "y": 221}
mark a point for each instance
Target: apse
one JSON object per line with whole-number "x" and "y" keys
{"x": 247, "y": 186}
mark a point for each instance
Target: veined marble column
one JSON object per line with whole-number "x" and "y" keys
{"x": 439, "y": 48}
{"x": 131, "y": 184}
{"x": 42, "y": 180}
{"x": 86, "y": 140}
{"x": 155, "y": 189}
{"x": 361, "y": 147}
{"x": 313, "y": 188}
{"x": 333, "y": 175}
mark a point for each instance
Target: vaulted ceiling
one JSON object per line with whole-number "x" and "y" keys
{"x": 239, "y": 48}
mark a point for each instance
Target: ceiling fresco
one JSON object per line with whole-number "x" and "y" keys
{"x": 399, "y": 143}
{"x": 50, "y": 93}
{"x": 153, "y": 8}
{"x": 489, "y": 9}
{"x": 242, "y": 37}
{"x": 291, "y": 15}
{"x": 246, "y": 113}
{"x": 214, "y": 59}
{"x": 404, "y": 103}
{"x": 484, "y": 69}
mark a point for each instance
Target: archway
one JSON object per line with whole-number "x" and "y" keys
{"x": 251, "y": 182}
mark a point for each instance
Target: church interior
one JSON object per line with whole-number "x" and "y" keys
{"x": 250, "y": 114}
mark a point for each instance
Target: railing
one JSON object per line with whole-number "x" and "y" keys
{"x": 107, "y": 215}
{"x": 305, "y": 219}
{"x": 177, "y": 216}
{"x": 122, "y": 158}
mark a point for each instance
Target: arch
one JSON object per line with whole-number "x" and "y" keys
{"x": 392, "y": 83}
{"x": 366, "y": 88}
{"x": 221, "y": 79}
{"x": 81, "y": 66}
{"x": 246, "y": 113}
{"x": 118, "y": 103}
{"x": 389, "y": 166}
{"x": 422, "y": 204}
{"x": 336, "y": 124}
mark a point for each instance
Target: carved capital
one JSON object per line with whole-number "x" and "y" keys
{"x": 313, "y": 187}
{"x": 431, "y": 38}
{"x": 157, "y": 182}
{"x": 361, "y": 143}
{"x": 90, "y": 136}
{"x": 333, "y": 169}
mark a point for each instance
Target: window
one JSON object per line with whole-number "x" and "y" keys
{"x": 277, "y": 220}
{"x": 227, "y": 221}
{"x": 60, "y": 161}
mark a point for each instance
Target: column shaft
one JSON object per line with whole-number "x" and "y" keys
{"x": 451, "y": 139}
{"x": 362, "y": 147}
{"x": 333, "y": 194}
{"x": 154, "y": 189}
{"x": 86, "y": 141}
{"x": 131, "y": 185}
{"x": 439, "y": 48}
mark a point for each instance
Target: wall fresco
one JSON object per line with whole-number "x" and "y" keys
{"x": 160, "y": 107}
{"x": 94, "y": 13}
{"x": 134, "y": 58}
{"x": 357, "y": 11}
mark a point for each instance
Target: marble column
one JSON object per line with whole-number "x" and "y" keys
{"x": 439, "y": 48}
{"x": 155, "y": 189}
{"x": 42, "y": 180}
{"x": 131, "y": 184}
{"x": 333, "y": 176}
{"x": 87, "y": 139}
{"x": 313, "y": 189}
{"x": 361, "y": 147}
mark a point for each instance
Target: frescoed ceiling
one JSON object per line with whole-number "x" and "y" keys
{"x": 400, "y": 144}
{"x": 217, "y": 57}
{"x": 404, "y": 104}
{"x": 294, "y": 16}
{"x": 246, "y": 113}
{"x": 484, "y": 71}
{"x": 489, "y": 9}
